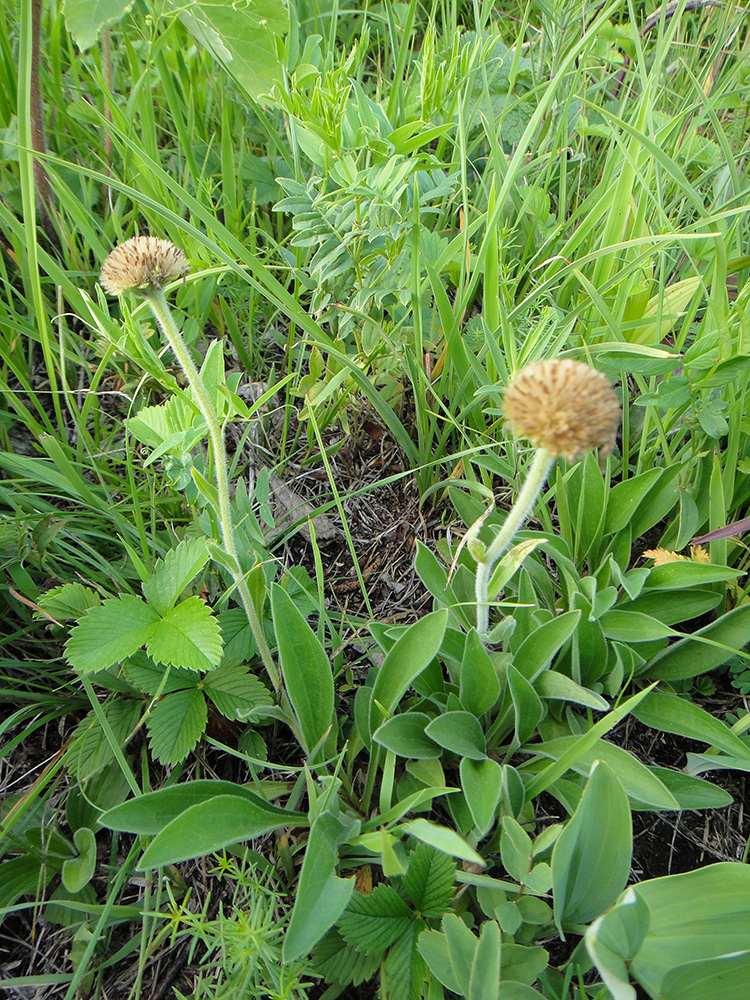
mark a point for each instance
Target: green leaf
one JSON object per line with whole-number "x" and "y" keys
{"x": 109, "y": 633}
{"x": 321, "y": 895}
{"x": 85, "y": 19}
{"x": 536, "y": 652}
{"x": 527, "y": 705}
{"x": 482, "y": 784}
{"x": 463, "y": 963}
{"x": 429, "y": 881}
{"x": 445, "y": 840}
{"x": 174, "y": 572}
{"x": 141, "y": 671}
{"x": 372, "y": 922}
{"x": 244, "y": 38}
{"x": 94, "y": 750}
{"x": 591, "y": 857}
{"x": 690, "y": 792}
{"x": 516, "y": 849}
{"x": 479, "y": 686}
{"x": 307, "y": 674}
{"x": 560, "y": 687}
{"x": 639, "y": 781}
{"x": 339, "y": 963}
{"x": 625, "y": 498}
{"x": 70, "y": 601}
{"x": 234, "y": 690}
{"x": 210, "y": 826}
{"x": 405, "y": 661}
{"x": 188, "y": 636}
{"x": 671, "y": 714}
{"x": 672, "y": 607}
{"x": 632, "y": 626}
{"x": 682, "y": 575}
{"x": 727, "y": 976}
{"x": 151, "y": 813}
{"x": 404, "y": 972}
{"x": 405, "y": 736}
{"x": 690, "y": 657}
{"x": 78, "y": 872}
{"x": 175, "y": 724}
{"x": 459, "y": 732}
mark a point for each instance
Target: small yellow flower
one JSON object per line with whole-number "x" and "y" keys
{"x": 661, "y": 556}
{"x": 142, "y": 263}
{"x": 563, "y": 406}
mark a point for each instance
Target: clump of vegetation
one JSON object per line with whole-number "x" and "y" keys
{"x": 287, "y": 290}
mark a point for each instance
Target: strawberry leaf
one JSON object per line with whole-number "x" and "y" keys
{"x": 109, "y": 633}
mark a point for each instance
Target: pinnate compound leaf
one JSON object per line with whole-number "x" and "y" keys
{"x": 188, "y": 636}
{"x": 234, "y": 689}
{"x": 175, "y": 725}
{"x": 372, "y": 922}
{"x": 429, "y": 880}
{"x": 338, "y": 962}
{"x": 174, "y": 572}
{"x": 109, "y": 633}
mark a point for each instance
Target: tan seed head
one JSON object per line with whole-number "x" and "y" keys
{"x": 142, "y": 263}
{"x": 563, "y": 406}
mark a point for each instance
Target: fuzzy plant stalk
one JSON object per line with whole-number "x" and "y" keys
{"x": 565, "y": 408}
{"x": 145, "y": 265}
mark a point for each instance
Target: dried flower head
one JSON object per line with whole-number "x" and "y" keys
{"x": 563, "y": 406}
{"x": 142, "y": 263}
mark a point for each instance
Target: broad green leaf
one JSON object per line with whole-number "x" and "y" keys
{"x": 479, "y": 686}
{"x": 151, "y": 813}
{"x": 405, "y": 736}
{"x": 464, "y": 964}
{"x": 321, "y": 895}
{"x": 658, "y": 502}
{"x": 639, "y": 781}
{"x": 591, "y": 857}
{"x": 459, "y": 732}
{"x": 527, "y": 705}
{"x": 444, "y": 839}
{"x": 536, "y": 652}
{"x": 234, "y": 690}
{"x": 85, "y": 19}
{"x": 405, "y": 661}
{"x": 78, "y": 872}
{"x": 521, "y": 964}
{"x": 429, "y": 880}
{"x": 175, "y": 724}
{"x": 174, "y": 572}
{"x": 673, "y": 606}
{"x": 307, "y": 673}
{"x": 696, "y": 939}
{"x": 691, "y": 792}
{"x": 690, "y": 657}
{"x": 211, "y": 826}
{"x": 244, "y": 38}
{"x": 155, "y": 679}
{"x": 560, "y": 687}
{"x": 671, "y": 714}
{"x": 625, "y": 498}
{"x": 482, "y": 784}
{"x": 632, "y": 626}
{"x": 682, "y": 575}
{"x": 516, "y": 849}
{"x": 582, "y": 745}
{"x": 373, "y": 921}
{"x": 25, "y": 875}
{"x": 188, "y": 636}
{"x": 109, "y": 633}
